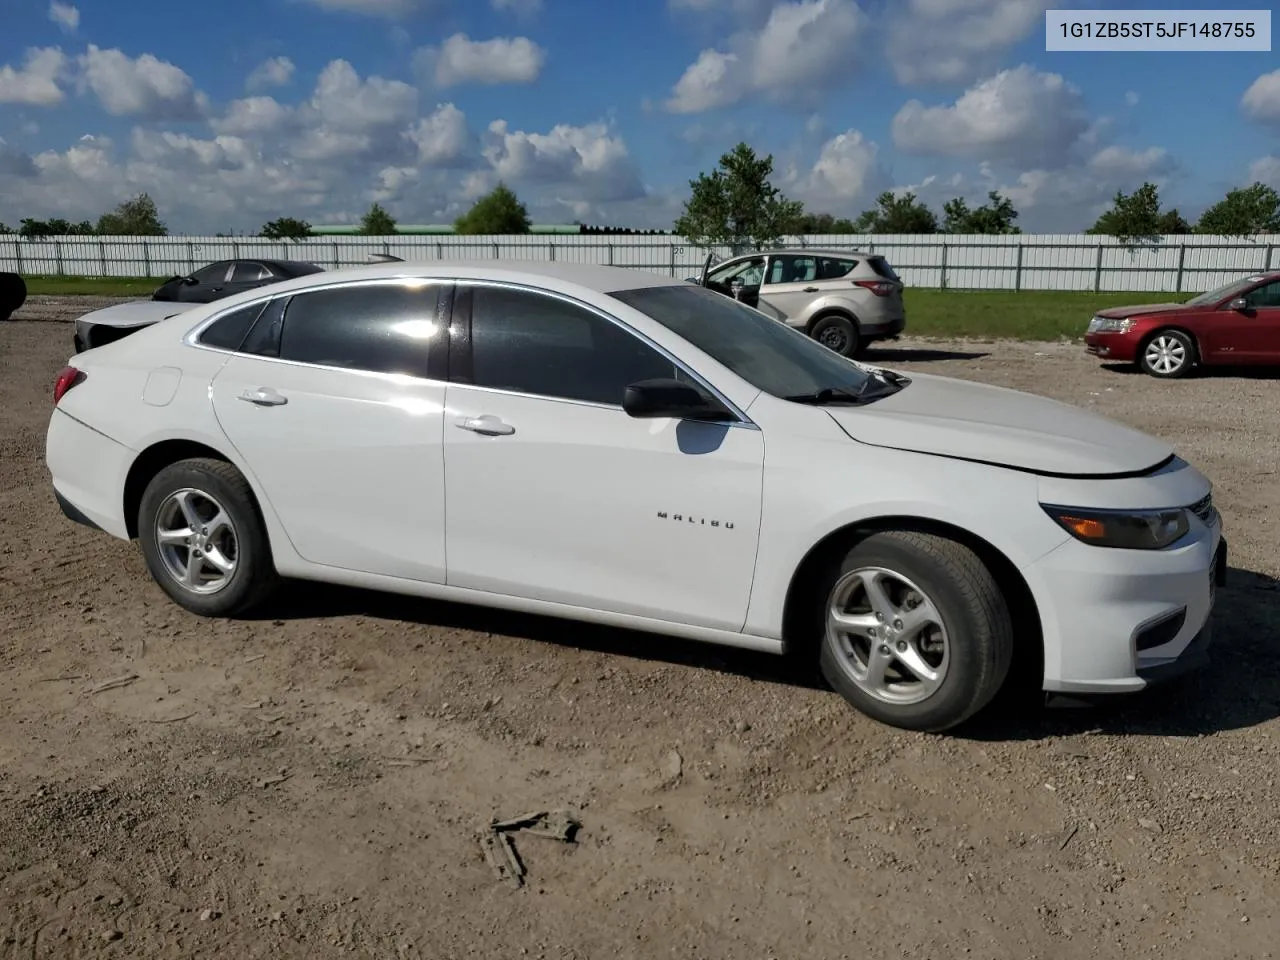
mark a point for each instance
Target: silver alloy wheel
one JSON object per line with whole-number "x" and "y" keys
{"x": 833, "y": 338}
{"x": 888, "y": 636}
{"x": 1165, "y": 354}
{"x": 196, "y": 540}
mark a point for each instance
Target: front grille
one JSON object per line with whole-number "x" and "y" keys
{"x": 1203, "y": 508}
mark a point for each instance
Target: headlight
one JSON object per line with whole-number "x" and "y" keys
{"x": 1104, "y": 325}
{"x": 1129, "y": 529}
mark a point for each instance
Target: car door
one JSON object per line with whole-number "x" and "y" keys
{"x": 789, "y": 285}
{"x": 740, "y": 279}
{"x": 334, "y": 402}
{"x": 1262, "y": 312}
{"x": 556, "y": 494}
{"x": 206, "y": 284}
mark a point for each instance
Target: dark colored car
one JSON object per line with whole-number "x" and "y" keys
{"x": 1237, "y": 323}
{"x": 13, "y": 294}
{"x": 229, "y": 277}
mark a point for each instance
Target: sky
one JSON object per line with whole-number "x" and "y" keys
{"x": 601, "y": 111}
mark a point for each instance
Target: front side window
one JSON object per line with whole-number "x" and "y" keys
{"x": 1224, "y": 292}
{"x": 214, "y": 273}
{"x": 379, "y": 328}
{"x": 529, "y": 342}
{"x": 750, "y": 271}
{"x": 767, "y": 354}
{"x": 1267, "y": 295}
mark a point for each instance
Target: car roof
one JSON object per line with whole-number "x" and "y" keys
{"x": 600, "y": 279}
{"x": 808, "y": 252}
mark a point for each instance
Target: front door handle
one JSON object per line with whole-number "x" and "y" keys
{"x": 810, "y": 289}
{"x": 486, "y": 425}
{"x": 264, "y": 397}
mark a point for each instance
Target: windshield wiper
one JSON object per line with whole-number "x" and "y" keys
{"x": 882, "y": 384}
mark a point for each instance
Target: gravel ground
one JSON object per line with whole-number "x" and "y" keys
{"x": 310, "y": 784}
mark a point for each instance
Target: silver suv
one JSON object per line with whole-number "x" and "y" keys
{"x": 844, "y": 299}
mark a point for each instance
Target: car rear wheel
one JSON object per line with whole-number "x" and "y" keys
{"x": 1167, "y": 354}
{"x": 203, "y": 539}
{"x": 838, "y": 333}
{"x": 916, "y": 631}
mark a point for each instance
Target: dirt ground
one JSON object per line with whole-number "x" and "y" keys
{"x": 310, "y": 784}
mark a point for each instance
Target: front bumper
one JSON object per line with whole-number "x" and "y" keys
{"x": 1114, "y": 621}
{"x": 1116, "y": 347}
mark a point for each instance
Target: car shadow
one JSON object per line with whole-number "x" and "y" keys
{"x": 919, "y": 355}
{"x": 1239, "y": 689}
{"x": 1205, "y": 373}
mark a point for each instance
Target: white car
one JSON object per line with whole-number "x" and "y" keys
{"x": 613, "y": 446}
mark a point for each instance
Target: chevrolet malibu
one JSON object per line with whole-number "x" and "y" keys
{"x": 611, "y": 446}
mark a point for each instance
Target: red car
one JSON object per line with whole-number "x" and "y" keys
{"x": 1238, "y": 323}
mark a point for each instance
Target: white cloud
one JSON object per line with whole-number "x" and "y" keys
{"x": 501, "y": 60}
{"x": 589, "y": 158}
{"x": 147, "y": 88}
{"x": 1262, "y": 100}
{"x": 65, "y": 16}
{"x": 15, "y": 163}
{"x": 36, "y": 83}
{"x": 1131, "y": 98}
{"x": 275, "y": 72}
{"x": 1123, "y": 164}
{"x": 376, "y": 8}
{"x": 847, "y": 171}
{"x": 1020, "y": 116}
{"x": 957, "y": 41}
{"x": 1265, "y": 170}
{"x": 442, "y": 139}
{"x": 805, "y": 48}
{"x": 523, "y": 8}
{"x": 252, "y": 115}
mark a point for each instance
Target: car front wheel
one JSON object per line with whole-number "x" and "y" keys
{"x": 203, "y": 539}
{"x": 838, "y": 333}
{"x": 916, "y": 631}
{"x": 1168, "y": 354}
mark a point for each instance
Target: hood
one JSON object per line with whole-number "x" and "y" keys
{"x": 1138, "y": 309}
{"x": 135, "y": 313}
{"x": 974, "y": 421}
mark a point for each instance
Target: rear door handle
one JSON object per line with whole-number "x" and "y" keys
{"x": 486, "y": 425}
{"x": 810, "y": 289}
{"x": 264, "y": 397}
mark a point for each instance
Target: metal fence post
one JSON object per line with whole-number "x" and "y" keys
{"x": 496, "y": 254}
{"x": 57, "y": 252}
{"x": 1270, "y": 249}
{"x": 611, "y": 254}
{"x": 1097, "y": 271}
{"x": 17, "y": 252}
{"x": 942, "y": 269}
{"x": 146, "y": 257}
{"x": 335, "y": 255}
{"x": 1017, "y": 269}
{"x": 673, "y": 259}
{"x": 551, "y": 251}
{"x": 191, "y": 256}
{"x": 102, "y": 257}
{"x": 1182, "y": 259}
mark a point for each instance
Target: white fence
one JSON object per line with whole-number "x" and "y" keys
{"x": 1027, "y": 262}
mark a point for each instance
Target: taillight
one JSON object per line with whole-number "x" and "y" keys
{"x": 68, "y": 377}
{"x": 881, "y": 288}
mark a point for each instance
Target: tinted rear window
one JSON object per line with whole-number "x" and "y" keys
{"x": 881, "y": 266}
{"x": 228, "y": 332}
{"x": 298, "y": 268}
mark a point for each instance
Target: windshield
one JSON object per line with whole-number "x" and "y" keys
{"x": 764, "y": 352}
{"x": 1222, "y": 292}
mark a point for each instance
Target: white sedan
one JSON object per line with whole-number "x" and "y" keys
{"x": 614, "y": 446}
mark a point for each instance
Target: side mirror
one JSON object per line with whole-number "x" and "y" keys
{"x": 189, "y": 281}
{"x": 1239, "y": 303}
{"x": 670, "y": 398}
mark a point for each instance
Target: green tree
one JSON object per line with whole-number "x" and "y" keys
{"x": 817, "y": 224}
{"x": 133, "y": 218}
{"x": 5, "y": 229}
{"x": 55, "y": 227}
{"x": 736, "y": 204}
{"x": 1242, "y": 212}
{"x": 377, "y": 222}
{"x": 1137, "y": 216}
{"x": 897, "y": 213}
{"x": 286, "y": 228}
{"x": 497, "y": 213}
{"x": 996, "y": 216}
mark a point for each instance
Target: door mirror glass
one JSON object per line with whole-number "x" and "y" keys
{"x": 671, "y": 398}
{"x": 189, "y": 281}
{"x": 1239, "y": 303}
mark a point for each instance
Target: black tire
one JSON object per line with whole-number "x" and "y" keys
{"x": 254, "y": 577}
{"x": 972, "y": 610}
{"x": 1178, "y": 344}
{"x": 837, "y": 332}
{"x": 13, "y": 294}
